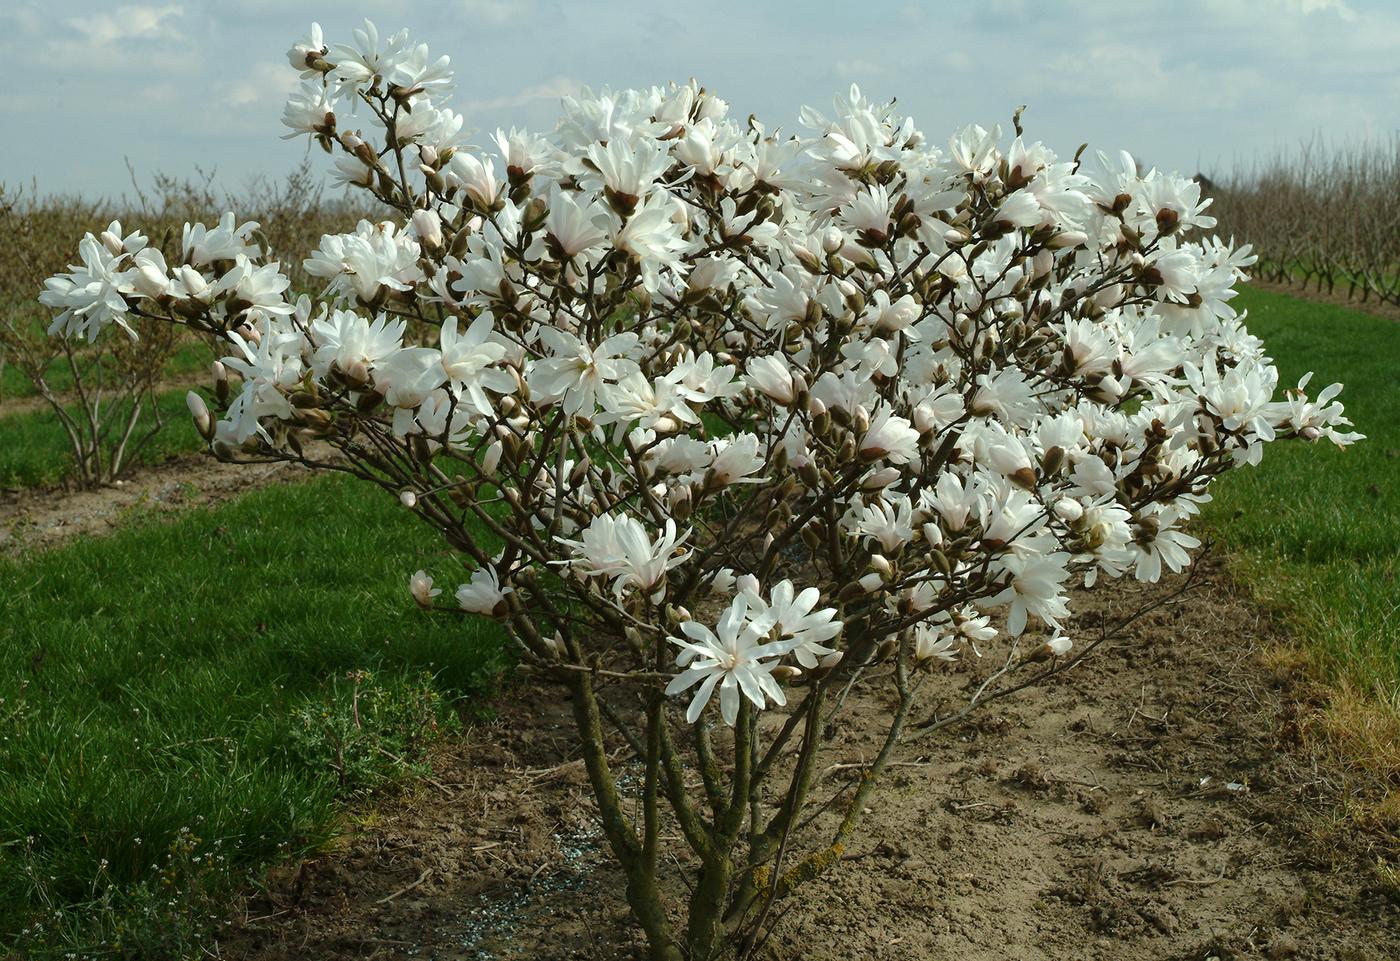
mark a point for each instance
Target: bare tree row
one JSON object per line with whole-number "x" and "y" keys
{"x": 104, "y": 394}
{"x": 1320, "y": 216}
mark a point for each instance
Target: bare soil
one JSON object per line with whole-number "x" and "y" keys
{"x": 40, "y": 518}
{"x": 1153, "y": 803}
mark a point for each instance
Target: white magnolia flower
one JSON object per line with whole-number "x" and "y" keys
{"x": 307, "y": 50}
{"x": 89, "y": 296}
{"x": 732, "y": 657}
{"x": 573, "y": 372}
{"x": 931, "y": 644}
{"x": 771, "y": 375}
{"x": 483, "y": 594}
{"x": 476, "y": 176}
{"x": 734, "y": 460}
{"x": 1158, "y": 543}
{"x": 270, "y": 367}
{"x": 575, "y": 227}
{"x": 619, "y": 548}
{"x": 203, "y": 246}
{"x": 629, "y": 167}
{"x": 406, "y": 380}
{"x": 375, "y": 258}
{"x": 889, "y": 523}
{"x": 258, "y": 289}
{"x": 653, "y": 239}
{"x": 347, "y": 342}
{"x": 791, "y": 613}
{"x": 468, "y": 360}
{"x": 309, "y": 112}
{"x": 1035, "y": 590}
{"x": 890, "y": 438}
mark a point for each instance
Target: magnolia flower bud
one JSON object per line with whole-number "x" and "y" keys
{"x": 1056, "y": 646}
{"x": 924, "y": 419}
{"x": 408, "y": 499}
{"x": 420, "y": 585}
{"x": 150, "y": 281}
{"x": 880, "y": 479}
{"x": 357, "y": 374}
{"x": 1068, "y": 509}
{"x": 200, "y": 412}
{"x": 193, "y": 281}
{"x": 221, "y": 388}
{"x": 860, "y": 420}
{"x": 871, "y": 582}
{"x": 1068, "y": 238}
{"x": 492, "y": 458}
{"x": 1023, "y": 477}
{"x": 428, "y": 225}
{"x": 436, "y": 182}
{"x": 1042, "y": 264}
{"x": 832, "y": 240}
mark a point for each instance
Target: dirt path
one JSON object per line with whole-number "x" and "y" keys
{"x": 33, "y": 518}
{"x": 1152, "y": 804}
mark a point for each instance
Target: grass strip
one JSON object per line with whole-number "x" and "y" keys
{"x": 187, "y": 700}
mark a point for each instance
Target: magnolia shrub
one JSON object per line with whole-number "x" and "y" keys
{"x": 724, "y": 422}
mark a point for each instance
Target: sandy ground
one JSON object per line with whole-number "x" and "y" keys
{"x": 1151, "y": 804}
{"x": 1155, "y": 803}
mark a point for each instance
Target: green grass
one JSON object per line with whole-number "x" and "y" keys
{"x": 179, "y": 704}
{"x": 1315, "y": 531}
{"x": 34, "y": 448}
{"x": 191, "y": 357}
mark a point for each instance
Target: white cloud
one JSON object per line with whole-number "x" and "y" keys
{"x": 495, "y": 12}
{"x": 857, "y": 69}
{"x": 550, "y": 90}
{"x": 265, "y": 82}
{"x": 1340, "y": 7}
{"x": 128, "y": 22}
{"x": 1179, "y": 81}
{"x": 25, "y": 19}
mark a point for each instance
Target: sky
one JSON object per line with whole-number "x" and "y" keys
{"x": 1187, "y": 85}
